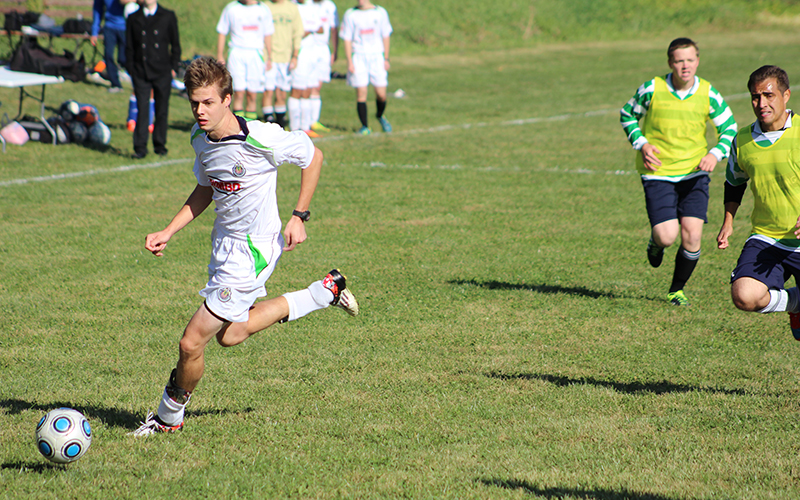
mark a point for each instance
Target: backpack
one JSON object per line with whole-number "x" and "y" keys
{"x": 30, "y": 57}
{"x": 16, "y": 20}
{"x": 78, "y": 26}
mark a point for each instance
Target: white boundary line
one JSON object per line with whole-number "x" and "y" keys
{"x": 431, "y": 130}
{"x": 70, "y": 175}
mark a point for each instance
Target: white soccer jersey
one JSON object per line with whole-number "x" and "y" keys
{"x": 311, "y": 14}
{"x": 246, "y": 24}
{"x": 243, "y": 171}
{"x": 329, "y": 17}
{"x": 366, "y": 29}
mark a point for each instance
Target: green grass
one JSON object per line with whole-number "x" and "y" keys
{"x": 513, "y": 341}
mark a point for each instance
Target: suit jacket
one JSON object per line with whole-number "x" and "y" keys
{"x": 153, "y": 47}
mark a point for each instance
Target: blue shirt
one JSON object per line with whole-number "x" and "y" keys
{"x": 112, "y": 10}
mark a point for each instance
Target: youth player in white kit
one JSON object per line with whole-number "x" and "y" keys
{"x": 236, "y": 168}
{"x": 366, "y": 31}
{"x": 328, "y": 42}
{"x": 304, "y": 76}
{"x": 249, "y": 24}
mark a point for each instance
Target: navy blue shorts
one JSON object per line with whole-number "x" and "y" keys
{"x": 766, "y": 263}
{"x": 672, "y": 200}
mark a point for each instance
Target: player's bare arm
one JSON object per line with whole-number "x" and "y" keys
{"x": 386, "y": 46}
{"x": 651, "y": 161}
{"x": 198, "y": 201}
{"x": 348, "y": 52}
{"x": 295, "y": 231}
{"x": 727, "y": 225}
{"x": 221, "y": 47}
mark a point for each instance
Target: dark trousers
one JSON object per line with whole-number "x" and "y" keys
{"x": 161, "y": 88}
{"x": 113, "y": 39}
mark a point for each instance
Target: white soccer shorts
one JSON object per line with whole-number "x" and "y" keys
{"x": 322, "y": 72}
{"x": 368, "y": 68}
{"x": 278, "y": 77}
{"x": 305, "y": 75}
{"x": 237, "y": 273}
{"x": 247, "y": 67}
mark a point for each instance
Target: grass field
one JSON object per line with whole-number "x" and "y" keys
{"x": 513, "y": 341}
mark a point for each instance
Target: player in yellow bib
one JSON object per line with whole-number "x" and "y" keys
{"x": 767, "y": 155}
{"x": 674, "y": 160}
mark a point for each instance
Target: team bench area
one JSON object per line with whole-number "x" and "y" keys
{"x": 58, "y": 10}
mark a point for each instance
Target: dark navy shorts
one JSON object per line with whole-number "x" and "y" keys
{"x": 766, "y": 263}
{"x": 672, "y": 200}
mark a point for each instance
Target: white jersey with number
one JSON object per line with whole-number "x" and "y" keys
{"x": 366, "y": 29}
{"x": 329, "y": 17}
{"x": 311, "y": 14}
{"x": 246, "y": 24}
{"x": 243, "y": 172}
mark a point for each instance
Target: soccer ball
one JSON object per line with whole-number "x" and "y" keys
{"x": 99, "y": 133}
{"x": 63, "y": 435}
{"x": 69, "y": 110}
{"x": 79, "y": 132}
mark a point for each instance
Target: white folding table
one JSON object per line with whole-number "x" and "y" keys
{"x": 19, "y": 79}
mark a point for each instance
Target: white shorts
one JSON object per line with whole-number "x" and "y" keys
{"x": 305, "y": 75}
{"x": 278, "y": 77}
{"x": 323, "y": 70}
{"x": 237, "y": 273}
{"x": 247, "y": 68}
{"x": 369, "y": 68}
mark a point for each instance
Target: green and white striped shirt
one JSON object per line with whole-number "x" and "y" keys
{"x": 718, "y": 112}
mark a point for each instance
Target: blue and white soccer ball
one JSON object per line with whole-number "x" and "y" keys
{"x": 80, "y": 132}
{"x": 99, "y": 133}
{"x": 63, "y": 435}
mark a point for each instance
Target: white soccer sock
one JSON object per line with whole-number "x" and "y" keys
{"x": 316, "y": 108}
{"x": 782, "y": 301}
{"x": 267, "y": 110}
{"x": 306, "y": 301}
{"x": 169, "y": 411}
{"x": 305, "y": 114}
{"x": 293, "y": 105}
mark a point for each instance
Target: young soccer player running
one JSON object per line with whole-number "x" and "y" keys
{"x": 366, "y": 32}
{"x": 236, "y": 168}
{"x": 674, "y": 160}
{"x": 767, "y": 155}
{"x": 249, "y": 24}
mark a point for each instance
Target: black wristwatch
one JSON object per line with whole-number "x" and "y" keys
{"x": 304, "y": 216}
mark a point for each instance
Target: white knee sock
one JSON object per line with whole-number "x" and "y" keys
{"x": 305, "y": 114}
{"x": 169, "y": 411}
{"x": 306, "y": 301}
{"x": 293, "y": 106}
{"x": 316, "y": 108}
{"x": 782, "y": 301}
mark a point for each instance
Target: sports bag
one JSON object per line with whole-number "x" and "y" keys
{"x": 30, "y": 57}
{"x": 78, "y": 26}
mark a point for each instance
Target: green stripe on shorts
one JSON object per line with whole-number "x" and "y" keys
{"x": 258, "y": 259}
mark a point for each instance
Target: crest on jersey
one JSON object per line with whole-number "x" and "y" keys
{"x": 225, "y": 294}
{"x": 238, "y": 169}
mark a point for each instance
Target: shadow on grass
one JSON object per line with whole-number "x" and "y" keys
{"x": 552, "y": 289}
{"x": 595, "y": 494}
{"x": 662, "y": 387}
{"x": 111, "y": 417}
{"x": 35, "y": 467}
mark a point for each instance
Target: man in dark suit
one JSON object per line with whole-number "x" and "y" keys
{"x": 153, "y": 51}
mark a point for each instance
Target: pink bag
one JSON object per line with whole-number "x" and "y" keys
{"x": 14, "y": 133}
